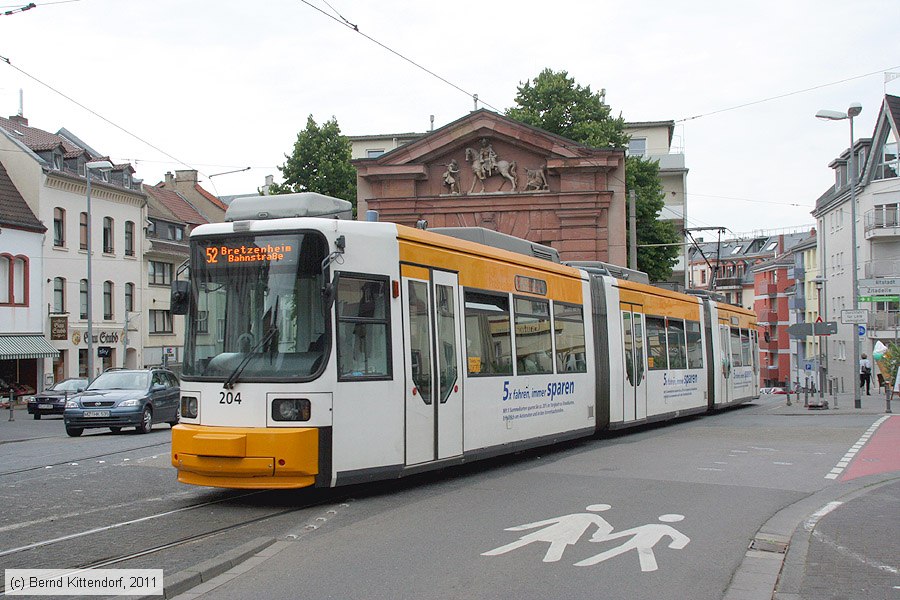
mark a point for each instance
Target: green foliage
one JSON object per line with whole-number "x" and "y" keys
{"x": 319, "y": 163}
{"x": 657, "y": 261}
{"x": 890, "y": 363}
{"x": 554, "y": 102}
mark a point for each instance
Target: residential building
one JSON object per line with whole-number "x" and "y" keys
{"x": 23, "y": 346}
{"x": 877, "y": 253}
{"x": 49, "y": 171}
{"x": 653, "y": 140}
{"x": 185, "y": 182}
{"x": 772, "y": 290}
{"x": 807, "y": 357}
{"x": 170, "y": 220}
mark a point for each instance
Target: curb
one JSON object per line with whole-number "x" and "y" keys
{"x": 774, "y": 564}
{"x": 189, "y": 578}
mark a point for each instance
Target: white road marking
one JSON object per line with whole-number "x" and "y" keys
{"x": 709, "y": 469}
{"x": 851, "y": 453}
{"x": 782, "y": 463}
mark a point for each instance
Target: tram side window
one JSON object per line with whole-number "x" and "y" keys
{"x": 694, "y": 344}
{"x": 754, "y": 348}
{"x": 533, "y": 340}
{"x": 488, "y": 345}
{"x": 363, "y": 332}
{"x": 657, "y": 355}
{"x": 570, "y": 346}
{"x": 745, "y": 348}
{"x": 736, "y": 356}
{"x": 677, "y": 347}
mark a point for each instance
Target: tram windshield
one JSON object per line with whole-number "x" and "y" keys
{"x": 257, "y": 310}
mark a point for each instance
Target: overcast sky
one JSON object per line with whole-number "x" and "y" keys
{"x": 221, "y": 84}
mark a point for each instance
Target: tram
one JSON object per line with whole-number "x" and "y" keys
{"x": 324, "y": 351}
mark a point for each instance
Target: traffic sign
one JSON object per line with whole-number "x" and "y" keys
{"x": 879, "y": 290}
{"x": 854, "y": 316}
{"x": 879, "y": 299}
{"x": 879, "y": 281}
{"x": 861, "y": 329}
{"x": 804, "y": 329}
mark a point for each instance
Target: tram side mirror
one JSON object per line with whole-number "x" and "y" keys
{"x": 180, "y": 297}
{"x": 327, "y": 297}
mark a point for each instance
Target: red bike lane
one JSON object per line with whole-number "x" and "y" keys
{"x": 881, "y": 454}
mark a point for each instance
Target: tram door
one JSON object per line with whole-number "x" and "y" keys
{"x": 725, "y": 362}
{"x": 634, "y": 403}
{"x": 431, "y": 323}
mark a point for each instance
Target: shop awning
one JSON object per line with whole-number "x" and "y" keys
{"x": 26, "y": 346}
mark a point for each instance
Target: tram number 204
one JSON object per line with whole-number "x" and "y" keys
{"x": 229, "y": 398}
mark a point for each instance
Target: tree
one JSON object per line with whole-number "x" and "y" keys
{"x": 656, "y": 260}
{"x": 320, "y": 163}
{"x": 554, "y": 102}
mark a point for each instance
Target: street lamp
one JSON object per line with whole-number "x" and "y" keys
{"x": 835, "y": 115}
{"x": 100, "y": 165}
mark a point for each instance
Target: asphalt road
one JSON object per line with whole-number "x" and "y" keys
{"x": 686, "y": 497}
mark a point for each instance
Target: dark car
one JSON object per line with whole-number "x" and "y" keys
{"x": 52, "y": 401}
{"x": 125, "y": 398}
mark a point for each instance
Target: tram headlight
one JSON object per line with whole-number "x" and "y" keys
{"x": 291, "y": 409}
{"x": 189, "y": 407}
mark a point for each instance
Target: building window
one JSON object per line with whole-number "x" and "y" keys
{"x": 160, "y": 321}
{"x": 637, "y": 146}
{"x": 83, "y": 231}
{"x": 202, "y": 321}
{"x": 129, "y": 238}
{"x": 374, "y": 153}
{"x": 108, "y": 300}
{"x": 108, "y": 233}
{"x": 13, "y": 280}
{"x": 159, "y": 273}
{"x": 126, "y": 180}
{"x": 888, "y": 161}
{"x": 59, "y": 295}
{"x": 57, "y": 162}
{"x": 83, "y": 299}
{"x": 59, "y": 227}
{"x": 129, "y": 297}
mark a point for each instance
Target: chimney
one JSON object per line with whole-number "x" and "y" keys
{"x": 270, "y": 181}
{"x": 187, "y": 176}
{"x": 170, "y": 179}
{"x": 19, "y": 119}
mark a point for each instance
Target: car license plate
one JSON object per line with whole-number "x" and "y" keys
{"x": 45, "y": 406}
{"x": 96, "y": 413}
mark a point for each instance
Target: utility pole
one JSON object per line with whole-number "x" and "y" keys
{"x": 632, "y": 226}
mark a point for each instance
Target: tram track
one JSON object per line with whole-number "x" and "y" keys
{"x": 82, "y": 458}
{"x": 111, "y": 561}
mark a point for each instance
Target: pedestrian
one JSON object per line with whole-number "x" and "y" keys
{"x": 865, "y": 373}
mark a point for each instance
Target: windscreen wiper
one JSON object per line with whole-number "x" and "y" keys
{"x": 232, "y": 379}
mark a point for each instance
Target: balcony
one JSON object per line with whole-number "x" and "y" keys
{"x": 885, "y": 324}
{"x": 884, "y": 267}
{"x": 767, "y": 289}
{"x": 882, "y": 223}
{"x": 770, "y": 316}
{"x": 730, "y": 283}
{"x": 796, "y": 272}
{"x": 797, "y": 303}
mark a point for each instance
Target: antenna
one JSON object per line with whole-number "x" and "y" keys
{"x": 432, "y": 123}
{"x": 21, "y": 102}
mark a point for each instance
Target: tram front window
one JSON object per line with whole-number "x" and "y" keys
{"x": 258, "y": 308}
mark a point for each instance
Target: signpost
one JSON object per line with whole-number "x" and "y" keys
{"x": 854, "y": 317}
{"x": 800, "y": 330}
{"x": 878, "y": 298}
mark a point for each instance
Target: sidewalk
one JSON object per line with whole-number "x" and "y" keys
{"x": 842, "y": 542}
{"x": 841, "y": 403}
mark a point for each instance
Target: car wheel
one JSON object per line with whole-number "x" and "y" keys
{"x": 146, "y": 421}
{"x": 74, "y": 431}
{"x": 174, "y": 422}
{"x": 115, "y": 429}
{"x": 37, "y": 416}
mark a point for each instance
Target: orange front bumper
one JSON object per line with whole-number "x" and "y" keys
{"x": 245, "y": 457}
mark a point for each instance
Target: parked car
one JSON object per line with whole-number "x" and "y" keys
{"x": 125, "y": 398}
{"x": 772, "y": 390}
{"x": 52, "y": 401}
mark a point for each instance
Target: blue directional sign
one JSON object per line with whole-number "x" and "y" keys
{"x": 862, "y": 330}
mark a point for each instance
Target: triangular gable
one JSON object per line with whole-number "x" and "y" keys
{"x": 886, "y": 127}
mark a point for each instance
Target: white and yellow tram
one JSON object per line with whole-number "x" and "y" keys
{"x": 325, "y": 352}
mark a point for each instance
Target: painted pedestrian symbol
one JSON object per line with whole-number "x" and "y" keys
{"x": 560, "y": 532}
{"x": 567, "y": 530}
{"x": 644, "y": 538}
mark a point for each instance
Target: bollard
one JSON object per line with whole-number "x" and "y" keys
{"x": 789, "y": 396}
{"x": 805, "y": 397}
{"x": 887, "y": 398}
{"x": 834, "y": 394}
{"x": 12, "y": 400}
